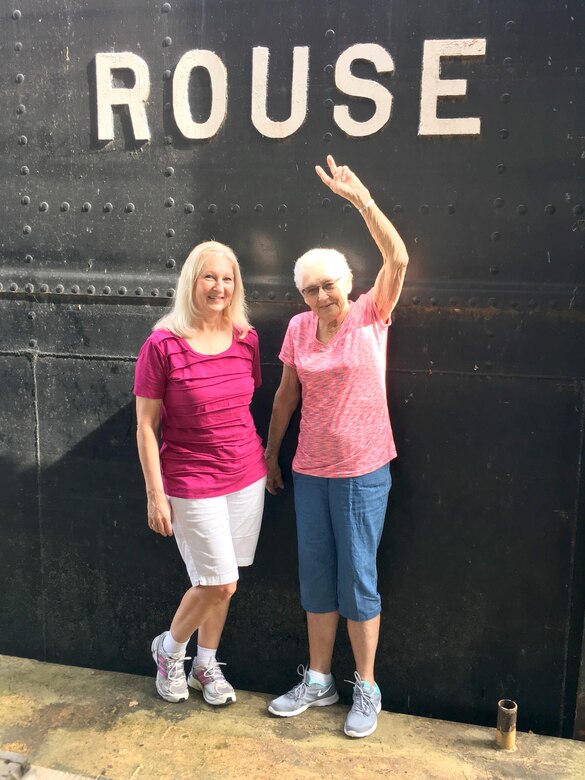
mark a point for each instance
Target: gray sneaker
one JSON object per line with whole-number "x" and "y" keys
{"x": 303, "y": 696}
{"x": 210, "y": 680}
{"x": 362, "y": 719}
{"x": 171, "y": 683}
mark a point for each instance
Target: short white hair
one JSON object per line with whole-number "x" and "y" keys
{"x": 314, "y": 257}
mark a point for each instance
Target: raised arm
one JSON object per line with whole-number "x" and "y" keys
{"x": 390, "y": 278}
{"x": 286, "y": 400}
{"x": 148, "y": 421}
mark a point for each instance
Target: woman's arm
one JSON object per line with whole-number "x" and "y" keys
{"x": 286, "y": 400}
{"x": 390, "y": 279}
{"x": 148, "y": 421}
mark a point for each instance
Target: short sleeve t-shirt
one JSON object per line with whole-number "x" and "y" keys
{"x": 210, "y": 446}
{"x": 345, "y": 426}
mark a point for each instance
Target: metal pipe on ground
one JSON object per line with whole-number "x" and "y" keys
{"x": 506, "y": 724}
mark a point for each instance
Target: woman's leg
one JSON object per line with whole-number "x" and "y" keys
{"x": 363, "y": 635}
{"x": 203, "y": 605}
{"x": 322, "y": 629}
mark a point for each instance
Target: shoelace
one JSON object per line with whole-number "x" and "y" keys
{"x": 362, "y": 699}
{"x": 175, "y": 667}
{"x": 300, "y": 688}
{"x": 213, "y": 672}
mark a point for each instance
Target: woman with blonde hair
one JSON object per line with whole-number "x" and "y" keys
{"x": 195, "y": 377}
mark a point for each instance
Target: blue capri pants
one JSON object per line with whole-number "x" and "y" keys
{"x": 339, "y": 527}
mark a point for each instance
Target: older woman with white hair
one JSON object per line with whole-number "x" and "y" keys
{"x": 334, "y": 356}
{"x": 195, "y": 377}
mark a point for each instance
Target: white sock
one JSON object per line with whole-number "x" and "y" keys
{"x": 319, "y": 677}
{"x": 172, "y": 647}
{"x": 205, "y": 655}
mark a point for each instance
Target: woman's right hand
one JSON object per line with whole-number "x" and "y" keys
{"x": 274, "y": 479}
{"x": 159, "y": 514}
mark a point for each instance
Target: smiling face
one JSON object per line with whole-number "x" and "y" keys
{"x": 329, "y": 304}
{"x": 214, "y": 287}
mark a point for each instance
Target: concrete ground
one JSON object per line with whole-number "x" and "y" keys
{"x": 95, "y": 723}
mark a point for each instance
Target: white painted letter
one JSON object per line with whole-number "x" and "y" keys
{"x": 108, "y": 95}
{"x": 346, "y": 82}
{"x": 300, "y": 79}
{"x": 199, "y": 58}
{"x": 433, "y": 87}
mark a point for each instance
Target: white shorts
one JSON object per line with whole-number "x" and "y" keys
{"x": 216, "y": 535}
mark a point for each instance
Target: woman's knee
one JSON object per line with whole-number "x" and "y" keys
{"x": 220, "y": 593}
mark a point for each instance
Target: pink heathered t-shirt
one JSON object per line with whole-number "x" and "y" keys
{"x": 210, "y": 445}
{"x": 345, "y": 426}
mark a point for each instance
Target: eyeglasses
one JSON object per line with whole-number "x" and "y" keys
{"x": 313, "y": 290}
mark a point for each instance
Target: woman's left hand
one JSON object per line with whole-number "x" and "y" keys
{"x": 344, "y": 182}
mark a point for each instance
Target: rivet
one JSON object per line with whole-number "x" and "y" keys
{"x": 28, "y": 258}
{"x": 168, "y": 107}
{"x": 398, "y": 209}
{"x": 189, "y": 208}
{"x": 44, "y": 206}
{"x": 22, "y": 140}
{"x": 212, "y": 208}
{"x": 330, "y": 34}
{"x": 44, "y": 288}
{"x": 328, "y": 103}
{"x": 500, "y": 168}
{"x": 167, "y": 41}
{"x": 259, "y": 208}
{"x": 452, "y": 301}
{"x": 423, "y": 208}
{"x": 450, "y": 208}
{"x": 549, "y": 209}
{"x": 33, "y": 343}
{"x": 166, "y": 8}
{"x": 1, "y": 286}
{"x": 86, "y": 207}
{"x": 167, "y": 75}
{"x": 328, "y": 69}
{"x": 168, "y": 140}
{"x": 433, "y": 301}
{"x": 122, "y": 290}
{"x": 255, "y": 295}
{"x": 169, "y": 202}
{"x": 472, "y": 301}
{"x": 25, "y": 200}
{"x": 13, "y": 287}
{"x": 16, "y": 14}
{"x": 21, "y": 108}
{"x": 59, "y": 289}
{"x": 138, "y": 291}
{"x": 19, "y": 78}
{"x": 27, "y": 230}
{"x": 415, "y": 299}
{"x": 288, "y": 296}
{"x": 578, "y": 209}
{"x": 170, "y": 233}
{"x": 65, "y": 206}
{"x": 130, "y": 207}
{"x": 25, "y": 170}
{"x": 494, "y": 270}
{"x": 18, "y": 46}
{"x": 496, "y": 235}
{"x": 108, "y": 207}
{"x": 505, "y": 98}
{"x": 171, "y": 262}
{"x": 282, "y": 208}
{"x": 504, "y": 133}
{"x": 29, "y": 288}
{"x": 91, "y": 290}
{"x": 170, "y": 292}
{"x": 347, "y": 208}
{"x": 327, "y": 137}
{"x": 75, "y": 289}
{"x": 510, "y": 26}
{"x": 154, "y": 292}
{"x": 107, "y": 290}
{"x": 271, "y": 295}
{"x": 508, "y": 62}
{"x": 235, "y": 209}
{"x": 325, "y": 202}
{"x": 521, "y": 208}
{"x": 491, "y": 302}
{"x": 170, "y": 171}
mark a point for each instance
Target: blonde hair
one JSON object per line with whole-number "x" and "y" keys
{"x": 183, "y": 314}
{"x": 320, "y": 256}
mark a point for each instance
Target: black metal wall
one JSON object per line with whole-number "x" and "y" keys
{"x": 482, "y": 571}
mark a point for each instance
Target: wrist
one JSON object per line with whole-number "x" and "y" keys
{"x": 365, "y": 206}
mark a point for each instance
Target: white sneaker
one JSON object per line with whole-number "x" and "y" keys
{"x": 171, "y": 683}
{"x": 210, "y": 680}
